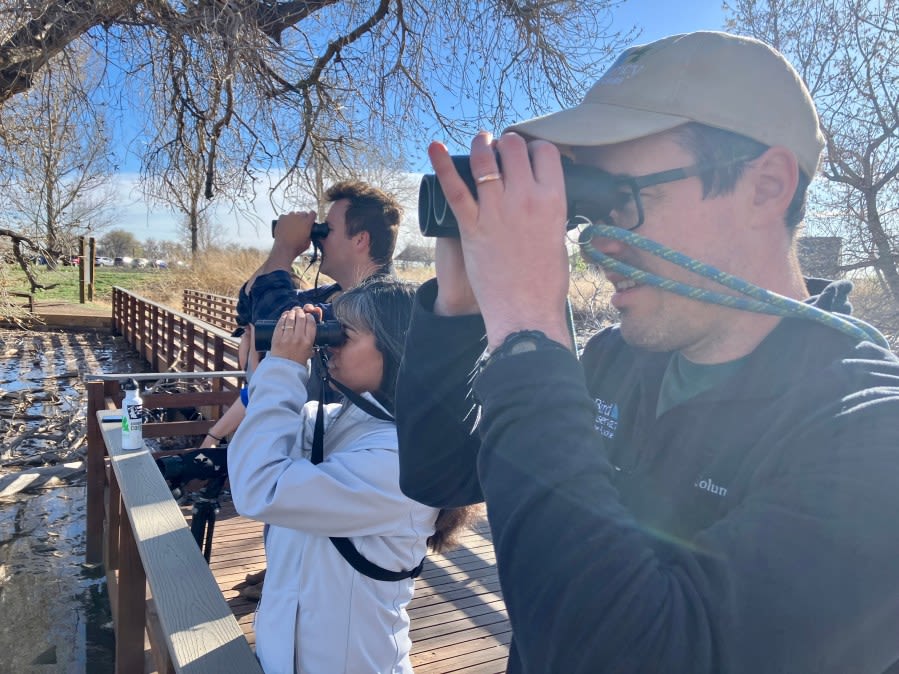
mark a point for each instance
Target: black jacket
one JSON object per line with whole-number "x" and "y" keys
{"x": 749, "y": 529}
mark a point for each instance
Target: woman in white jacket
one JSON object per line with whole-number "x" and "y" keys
{"x": 318, "y": 614}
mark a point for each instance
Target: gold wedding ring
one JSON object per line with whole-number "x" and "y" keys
{"x": 487, "y": 178}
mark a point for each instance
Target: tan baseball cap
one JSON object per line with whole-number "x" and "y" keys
{"x": 726, "y": 81}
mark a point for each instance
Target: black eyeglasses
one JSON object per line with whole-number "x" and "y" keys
{"x": 627, "y": 206}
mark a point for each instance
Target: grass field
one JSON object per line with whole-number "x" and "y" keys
{"x": 65, "y": 281}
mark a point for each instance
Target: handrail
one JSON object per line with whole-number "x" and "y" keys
{"x": 172, "y": 340}
{"x": 218, "y": 310}
{"x": 144, "y": 542}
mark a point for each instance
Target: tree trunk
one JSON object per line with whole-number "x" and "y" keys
{"x": 885, "y": 263}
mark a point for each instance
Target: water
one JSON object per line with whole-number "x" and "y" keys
{"x": 54, "y": 612}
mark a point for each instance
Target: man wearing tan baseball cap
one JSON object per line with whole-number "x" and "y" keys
{"x": 724, "y": 81}
{"x": 710, "y": 486}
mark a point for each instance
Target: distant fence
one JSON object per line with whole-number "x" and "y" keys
{"x": 170, "y": 340}
{"x": 218, "y": 310}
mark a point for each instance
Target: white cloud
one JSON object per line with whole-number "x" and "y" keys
{"x": 153, "y": 221}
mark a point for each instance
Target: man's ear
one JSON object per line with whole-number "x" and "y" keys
{"x": 775, "y": 175}
{"x": 362, "y": 240}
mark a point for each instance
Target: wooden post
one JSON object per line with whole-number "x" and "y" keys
{"x": 96, "y": 474}
{"x": 92, "y": 267}
{"x": 82, "y": 270}
{"x": 132, "y": 604}
{"x": 113, "y": 526}
{"x": 171, "y": 356}
{"x": 116, "y": 310}
{"x": 155, "y": 337}
{"x": 190, "y": 340}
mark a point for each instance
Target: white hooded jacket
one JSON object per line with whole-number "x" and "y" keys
{"x": 317, "y": 613}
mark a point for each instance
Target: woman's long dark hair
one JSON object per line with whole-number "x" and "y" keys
{"x": 383, "y": 307}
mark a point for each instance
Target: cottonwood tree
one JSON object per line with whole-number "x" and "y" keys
{"x": 184, "y": 167}
{"x": 847, "y": 51}
{"x": 266, "y": 84}
{"x": 56, "y": 158}
{"x": 119, "y": 243}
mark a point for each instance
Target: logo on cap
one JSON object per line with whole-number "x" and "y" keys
{"x": 626, "y": 65}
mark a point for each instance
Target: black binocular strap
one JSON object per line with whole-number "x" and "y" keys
{"x": 344, "y": 545}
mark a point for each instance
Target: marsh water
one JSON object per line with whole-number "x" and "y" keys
{"x": 54, "y": 611}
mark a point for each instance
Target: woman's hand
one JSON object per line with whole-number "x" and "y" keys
{"x": 294, "y": 336}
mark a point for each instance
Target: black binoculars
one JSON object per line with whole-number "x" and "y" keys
{"x": 591, "y": 194}
{"x": 319, "y": 230}
{"x": 327, "y": 333}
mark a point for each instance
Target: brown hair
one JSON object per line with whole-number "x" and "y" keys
{"x": 711, "y": 145}
{"x": 370, "y": 210}
{"x": 449, "y": 525}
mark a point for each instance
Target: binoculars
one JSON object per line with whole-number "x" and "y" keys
{"x": 327, "y": 333}
{"x": 591, "y": 194}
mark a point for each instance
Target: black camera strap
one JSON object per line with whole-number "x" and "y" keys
{"x": 344, "y": 545}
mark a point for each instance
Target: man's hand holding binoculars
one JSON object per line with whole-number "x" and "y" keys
{"x": 293, "y": 232}
{"x": 512, "y": 235}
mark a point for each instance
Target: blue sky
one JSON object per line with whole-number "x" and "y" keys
{"x": 656, "y": 19}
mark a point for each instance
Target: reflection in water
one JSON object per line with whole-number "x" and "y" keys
{"x": 54, "y": 614}
{"x": 55, "y": 617}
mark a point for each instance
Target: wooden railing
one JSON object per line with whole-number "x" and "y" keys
{"x": 218, "y": 310}
{"x": 159, "y": 583}
{"x": 169, "y": 339}
{"x": 134, "y": 526}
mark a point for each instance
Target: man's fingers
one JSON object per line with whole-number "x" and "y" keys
{"x": 314, "y": 310}
{"x": 516, "y": 165}
{"x": 547, "y": 167}
{"x": 485, "y": 168}
{"x": 457, "y": 194}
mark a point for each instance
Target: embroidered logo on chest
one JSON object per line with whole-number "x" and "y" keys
{"x": 606, "y": 420}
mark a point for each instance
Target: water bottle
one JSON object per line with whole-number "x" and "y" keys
{"x": 132, "y": 417}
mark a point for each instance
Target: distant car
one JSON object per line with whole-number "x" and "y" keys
{"x": 102, "y": 261}
{"x": 160, "y": 264}
{"x": 122, "y": 262}
{"x": 140, "y": 262}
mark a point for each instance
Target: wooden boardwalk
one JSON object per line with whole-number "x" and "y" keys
{"x": 459, "y": 621}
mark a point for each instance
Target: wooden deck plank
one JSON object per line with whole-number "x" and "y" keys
{"x": 459, "y": 621}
